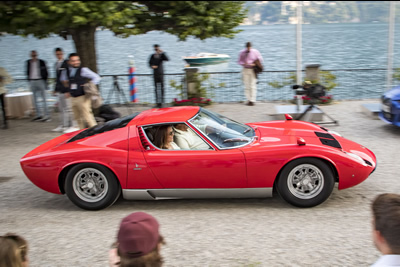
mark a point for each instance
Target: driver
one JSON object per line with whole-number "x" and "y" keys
{"x": 185, "y": 138}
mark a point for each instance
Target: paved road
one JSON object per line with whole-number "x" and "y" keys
{"x": 250, "y": 232}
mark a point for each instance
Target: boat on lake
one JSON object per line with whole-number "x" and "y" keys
{"x": 206, "y": 58}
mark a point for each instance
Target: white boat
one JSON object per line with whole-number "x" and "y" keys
{"x": 206, "y": 58}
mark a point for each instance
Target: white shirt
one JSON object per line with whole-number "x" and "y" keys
{"x": 174, "y": 145}
{"x": 85, "y": 72}
{"x": 34, "y": 71}
{"x": 387, "y": 260}
{"x": 189, "y": 140}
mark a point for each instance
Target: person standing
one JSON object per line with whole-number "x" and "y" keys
{"x": 156, "y": 63}
{"x": 5, "y": 78}
{"x": 36, "y": 71}
{"x": 247, "y": 59}
{"x": 74, "y": 77}
{"x": 64, "y": 103}
{"x": 386, "y": 229}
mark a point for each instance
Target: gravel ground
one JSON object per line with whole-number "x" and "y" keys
{"x": 245, "y": 232}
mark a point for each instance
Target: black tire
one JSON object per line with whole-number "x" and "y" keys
{"x": 306, "y": 182}
{"x": 92, "y": 186}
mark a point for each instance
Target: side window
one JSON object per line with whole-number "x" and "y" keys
{"x": 161, "y": 136}
{"x": 187, "y": 139}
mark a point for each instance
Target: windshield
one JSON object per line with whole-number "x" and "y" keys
{"x": 223, "y": 132}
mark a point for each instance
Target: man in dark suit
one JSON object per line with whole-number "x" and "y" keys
{"x": 36, "y": 72}
{"x": 156, "y": 63}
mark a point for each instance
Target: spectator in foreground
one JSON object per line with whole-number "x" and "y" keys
{"x": 386, "y": 229}
{"x": 138, "y": 242}
{"x": 13, "y": 251}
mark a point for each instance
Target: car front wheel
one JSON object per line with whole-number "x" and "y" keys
{"x": 306, "y": 182}
{"x": 92, "y": 186}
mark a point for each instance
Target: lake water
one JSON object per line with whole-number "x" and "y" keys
{"x": 334, "y": 46}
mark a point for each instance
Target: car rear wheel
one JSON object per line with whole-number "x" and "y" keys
{"x": 306, "y": 182}
{"x": 92, "y": 186}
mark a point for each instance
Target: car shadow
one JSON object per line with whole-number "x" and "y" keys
{"x": 40, "y": 200}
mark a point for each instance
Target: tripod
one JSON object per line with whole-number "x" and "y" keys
{"x": 310, "y": 108}
{"x": 119, "y": 93}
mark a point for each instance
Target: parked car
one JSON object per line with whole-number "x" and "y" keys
{"x": 390, "y": 109}
{"x": 301, "y": 160}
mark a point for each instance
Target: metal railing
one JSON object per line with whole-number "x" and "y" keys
{"x": 228, "y": 86}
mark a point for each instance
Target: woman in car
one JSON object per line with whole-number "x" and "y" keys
{"x": 164, "y": 138}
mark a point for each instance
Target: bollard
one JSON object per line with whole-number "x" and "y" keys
{"x": 132, "y": 80}
{"x": 190, "y": 80}
{"x": 312, "y": 72}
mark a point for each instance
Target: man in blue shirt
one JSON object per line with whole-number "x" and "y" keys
{"x": 74, "y": 78}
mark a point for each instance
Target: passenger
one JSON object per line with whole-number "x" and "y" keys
{"x": 13, "y": 251}
{"x": 138, "y": 242}
{"x": 164, "y": 138}
{"x": 185, "y": 138}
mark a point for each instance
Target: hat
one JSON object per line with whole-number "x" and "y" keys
{"x": 138, "y": 235}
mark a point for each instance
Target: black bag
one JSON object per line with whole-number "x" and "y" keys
{"x": 107, "y": 113}
{"x": 258, "y": 67}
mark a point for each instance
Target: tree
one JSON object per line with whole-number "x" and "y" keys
{"x": 80, "y": 19}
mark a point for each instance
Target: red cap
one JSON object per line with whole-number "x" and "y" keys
{"x": 138, "y": 235}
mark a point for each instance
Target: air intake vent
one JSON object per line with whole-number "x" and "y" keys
{"x": 324, "y": 135}
{"x": 328, "y": 140}
{"x": 145, "y": 143}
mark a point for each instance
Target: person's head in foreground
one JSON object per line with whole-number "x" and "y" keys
{"x": 386, "y": 223}
{"x": 13, "y": 251}
{"x": 138, "y": 241}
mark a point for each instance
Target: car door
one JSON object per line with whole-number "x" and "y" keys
{"x": 197, "y": 168}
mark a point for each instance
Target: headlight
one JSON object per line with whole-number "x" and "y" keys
{"x": 357, "y": 157}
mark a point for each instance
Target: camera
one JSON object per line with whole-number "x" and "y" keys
{"x": 313, "y": 91}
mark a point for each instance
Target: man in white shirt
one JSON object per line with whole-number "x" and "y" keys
{"x": 386, "y": 229}
{"x": 185, "y": 138}
{"x": 67, "y": 123}
{"x": 74, "y": 78}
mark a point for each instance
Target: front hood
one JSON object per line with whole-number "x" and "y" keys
{"x": 286, "y": 128}
{"x": 393, "y": 94}
{"x": 289, "y": 131}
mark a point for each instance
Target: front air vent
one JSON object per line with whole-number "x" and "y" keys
{"x": 324, "y": 135}
{"x": 328, "y": 140}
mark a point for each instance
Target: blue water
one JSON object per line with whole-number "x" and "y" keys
{"x": 334, "y": 46}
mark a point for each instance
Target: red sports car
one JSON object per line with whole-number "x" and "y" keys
{"x": 301, "y": 160}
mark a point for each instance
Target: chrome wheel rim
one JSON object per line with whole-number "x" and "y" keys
{"x": 305, "y": 181}
{"x": 90, "y": 185}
